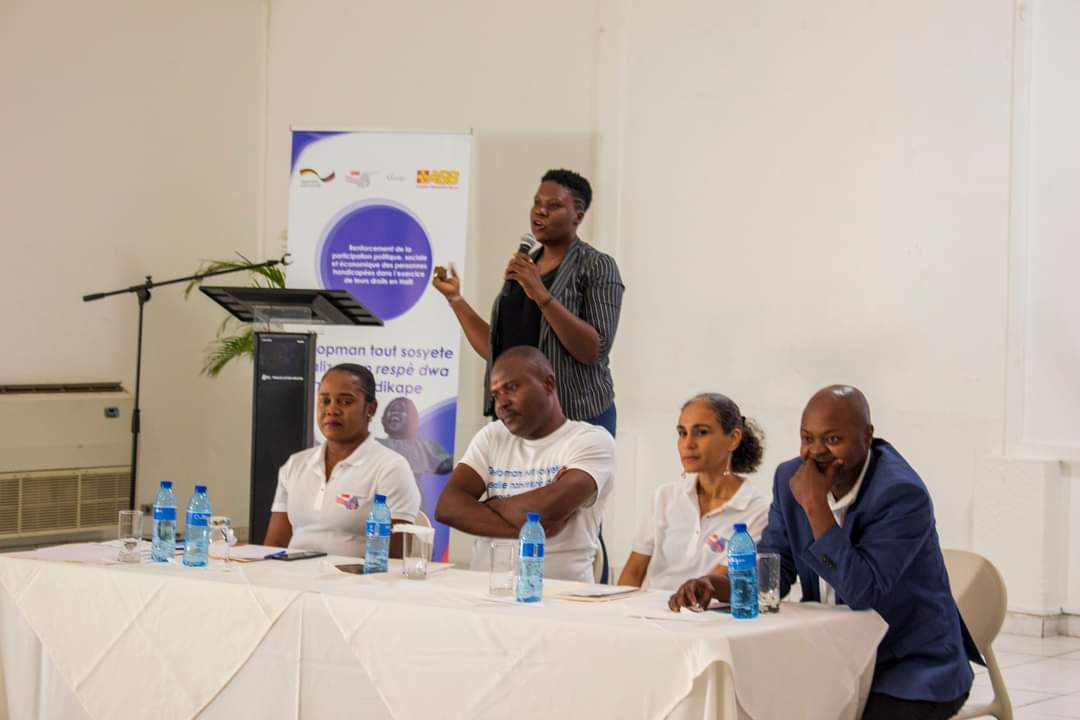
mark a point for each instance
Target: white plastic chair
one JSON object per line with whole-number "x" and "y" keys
{"x": 979, "y": 591}
{"x": 422, "y": 519}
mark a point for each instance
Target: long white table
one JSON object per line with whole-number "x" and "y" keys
{"x": 288, "y": 640}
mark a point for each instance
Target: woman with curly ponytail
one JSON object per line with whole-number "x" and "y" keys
{"x": 685, "y": 533}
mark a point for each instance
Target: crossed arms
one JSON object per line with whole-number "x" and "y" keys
{"x": 502, "y": 517}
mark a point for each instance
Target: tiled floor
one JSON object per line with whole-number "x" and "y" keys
{"x": 1041, "y": 674}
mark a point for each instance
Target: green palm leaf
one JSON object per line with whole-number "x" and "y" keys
{"x": 233, "y": 338}
{"x": 225, "y": 349}
{"x": 269, "y": 277}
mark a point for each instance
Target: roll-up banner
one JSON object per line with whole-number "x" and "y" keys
{"x": 367, "y": 213}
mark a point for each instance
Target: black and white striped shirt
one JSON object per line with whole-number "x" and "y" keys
{"x": 588, "y": 284}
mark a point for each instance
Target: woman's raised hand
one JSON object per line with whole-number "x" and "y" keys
{"x": 447, "y": 282}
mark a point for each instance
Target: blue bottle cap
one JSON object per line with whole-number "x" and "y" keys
{"x": 532, "y": 517}
{"x": 167, "y": 484}
{"x": 740, "y": 527}
{"x": 200, "y": 488}
{"x": 380, "y": 498}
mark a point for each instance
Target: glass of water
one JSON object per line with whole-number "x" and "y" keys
{"x": 221, "y": 537}
{"x": 129, "y": 531}
{"x": 503, "y": 559}
{"x": 768, "y": 573}
{"x": 416, "y": 550}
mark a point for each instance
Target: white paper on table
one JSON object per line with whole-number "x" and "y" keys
{"x": 684, "y": 615}
{"x": 510, "y": 599}
{"x": 248, "y": 552}
{"x": 598, "y": 592}
{"x": 653, "y": 607}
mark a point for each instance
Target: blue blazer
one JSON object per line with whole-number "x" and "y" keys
{"x": 886, "y": 557}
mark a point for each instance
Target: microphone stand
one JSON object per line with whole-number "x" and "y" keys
{"x": 142, "y": 294}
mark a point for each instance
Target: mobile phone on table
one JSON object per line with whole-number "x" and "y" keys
{"x": 297, "y": 555}
{"x": 355, "y": 568}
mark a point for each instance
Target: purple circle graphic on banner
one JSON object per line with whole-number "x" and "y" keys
{"x": 380, "y": 254}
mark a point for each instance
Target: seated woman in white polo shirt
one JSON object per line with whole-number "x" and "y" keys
{"x": 324, "y": 493}
{"x": 685, "y": 533}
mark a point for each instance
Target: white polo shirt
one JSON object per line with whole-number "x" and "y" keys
{"x": 681, "y": 543}
{"x": 330, "y": 515}
{"x": 510, "y": 465}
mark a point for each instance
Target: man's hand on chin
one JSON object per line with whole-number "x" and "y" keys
{"x": 810, "y": 487}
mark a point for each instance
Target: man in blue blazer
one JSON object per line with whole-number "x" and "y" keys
{"x": 854, "y": 521}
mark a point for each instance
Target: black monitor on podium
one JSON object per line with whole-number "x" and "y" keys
{"x": 284, "y": 385}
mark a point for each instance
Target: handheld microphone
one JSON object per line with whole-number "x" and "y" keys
{"x": 525, "y": 246}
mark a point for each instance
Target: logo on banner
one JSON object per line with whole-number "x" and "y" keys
{"x": 309, "y": 177}
{"x": 349, "y": 502}
{"x": 359, "y": 179}
{"x": 437, "y": 178}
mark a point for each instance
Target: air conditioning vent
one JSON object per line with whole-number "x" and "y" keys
{"x": 9, "y": 505}
{"x": 103, "y": 495}
{"x": 64, "y": 461}
{"x": 47, "y": 503}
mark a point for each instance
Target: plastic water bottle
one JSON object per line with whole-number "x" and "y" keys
{"x": 377, "y": 537}
{"x": 742, "y": 573}
{"x": 163, "y": 537}
{"x": 530, "y": 569}
{"x": 197, "y": 533}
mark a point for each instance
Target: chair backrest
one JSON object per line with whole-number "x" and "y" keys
{"x": 422, "y": 519}
{"x": 980, "y": 593}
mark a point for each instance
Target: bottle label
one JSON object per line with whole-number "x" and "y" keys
{"x": 375, "y": 529}
{"x": 164, "y": 513}
{"x": 741, "y": 561}
{"x": 198, "y": 519}
{"x": 532, "y": 550}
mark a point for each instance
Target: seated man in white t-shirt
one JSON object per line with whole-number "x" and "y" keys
{"x": 324, "y": 493}
{"x": 533, "y": 460}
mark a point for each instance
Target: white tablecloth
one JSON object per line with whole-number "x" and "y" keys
{"x": 287, "y": 640}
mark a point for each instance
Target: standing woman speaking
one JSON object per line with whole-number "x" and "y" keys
{"x": 563, "y": 297}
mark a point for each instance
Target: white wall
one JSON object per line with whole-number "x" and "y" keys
{"x": 828, "y": 203}
{"x": 131, "y": 146}
{"x": 816, "y": 194}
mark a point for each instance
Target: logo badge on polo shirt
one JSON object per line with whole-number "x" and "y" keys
{"x": 716, "y": 542}
{"x": 348, "y": 501}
